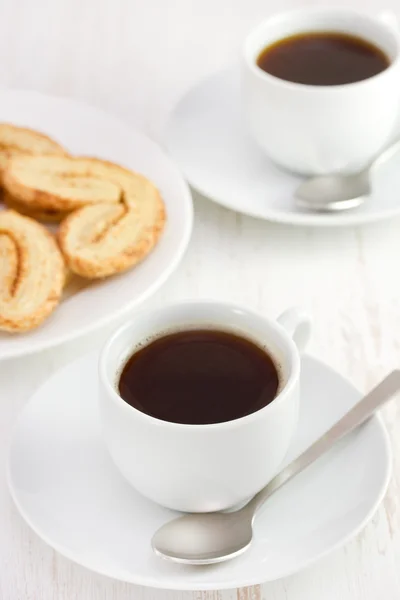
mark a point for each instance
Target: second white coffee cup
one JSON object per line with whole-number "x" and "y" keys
{"x": 312, "y": 129}
{"x": 201, "y": 468}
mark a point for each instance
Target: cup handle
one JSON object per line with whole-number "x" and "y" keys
{"x": 298, "y": 325}
{"x": 389, "y": 18}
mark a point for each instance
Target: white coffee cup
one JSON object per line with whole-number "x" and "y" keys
{"x": 199, "y": 468}
{"x": 322, "y": 129}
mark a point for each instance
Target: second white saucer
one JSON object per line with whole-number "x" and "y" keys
{"x": 206, "y": 136}
{"x": 69, "y": 491}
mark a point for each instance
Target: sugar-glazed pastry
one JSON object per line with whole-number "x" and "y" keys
{"x": 16, "y": 140}
{"x": 32, "y": 272}
{"x": 39, "y": 214}
{"x": 109, "y": 237}
{"x": 59, "y": 183}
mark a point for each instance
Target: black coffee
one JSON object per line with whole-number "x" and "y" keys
{"x": 199, "y": 377}
{"x": 323, "y": 58}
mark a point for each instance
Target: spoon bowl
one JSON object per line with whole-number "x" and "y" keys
{"x": 337, "y": 192}
{"x": 205, "y": 538}
{"x": 333, "y": 193}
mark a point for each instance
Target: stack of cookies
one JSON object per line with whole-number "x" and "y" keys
{"x": 109, "y": 219}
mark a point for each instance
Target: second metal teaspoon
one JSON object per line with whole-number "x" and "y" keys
{"x": 206, "y": 538}
{"x": 332, "y": 193}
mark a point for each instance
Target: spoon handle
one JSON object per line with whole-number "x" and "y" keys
{"x": 365, "y": 408}
{"x": 385, "y": 155}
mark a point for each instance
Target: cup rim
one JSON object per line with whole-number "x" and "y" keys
{"x": 290, "y": 383}
{"x": 314, "y": 10}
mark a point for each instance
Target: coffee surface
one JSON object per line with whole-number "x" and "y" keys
{"x": 323, "y": 58}
{"x": 199, "y": 377}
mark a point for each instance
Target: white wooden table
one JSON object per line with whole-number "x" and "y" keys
{"x": 135, "y": 58}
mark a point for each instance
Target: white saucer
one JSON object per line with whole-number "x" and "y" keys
{"x": 86, "y": 130}
{"x": 208, "y": 139}
{"x": 68, "y": 490}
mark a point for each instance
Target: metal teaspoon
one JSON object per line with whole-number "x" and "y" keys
{"x": 333, "y": 193}
{"x": 206, "y": 538}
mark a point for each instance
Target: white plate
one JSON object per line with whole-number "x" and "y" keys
{"x": 208, "y": 139}
{"x": 89, "y": 131}
{"x": 68, "y": 490}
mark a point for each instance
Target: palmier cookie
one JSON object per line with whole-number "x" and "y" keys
{"x": 16, "y": 140}
{"x": 108, "y": 237}
{"x": 43, "y": 215}
{"x": 32, "y": 272}
{"x": 59, "y": 183}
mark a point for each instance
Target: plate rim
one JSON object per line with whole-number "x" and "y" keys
{"x": 159, "y": 282}
{"x": 175, "y": 584}
{"x": 343, "y": 219}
